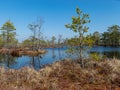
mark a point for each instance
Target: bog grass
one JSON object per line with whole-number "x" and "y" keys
{"x": 64, "y": 75}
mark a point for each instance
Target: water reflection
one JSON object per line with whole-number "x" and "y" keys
{"x": 110, "y": 55}
{"x": 109, "y": 52}
{"x": 52, "y": 55}
{"x": 7, "y": 60}
{"x": 113, "y": 54}
{"x": 59, "y": 53}
{"x": 35, "y": 62}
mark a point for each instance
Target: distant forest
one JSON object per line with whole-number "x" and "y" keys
{"x": 109, "y": 38}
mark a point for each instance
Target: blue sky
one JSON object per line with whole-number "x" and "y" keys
{"x": 57, "y": 13}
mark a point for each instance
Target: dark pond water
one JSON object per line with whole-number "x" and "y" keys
{"x": 51, "y": 56}
{"x": 109, "y": 52}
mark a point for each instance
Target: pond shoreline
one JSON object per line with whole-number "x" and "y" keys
{"x": 52, "y": 55}
{"x": 17, "y": 52}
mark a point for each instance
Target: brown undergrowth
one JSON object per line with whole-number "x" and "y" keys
{"x": 64, "y": 75}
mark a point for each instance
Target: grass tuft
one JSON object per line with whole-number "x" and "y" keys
{"x": 64, "y": 75}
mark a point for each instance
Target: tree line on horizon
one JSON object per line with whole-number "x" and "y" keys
{"x": 8, "y": 36}
{"x": 111, "y": 37}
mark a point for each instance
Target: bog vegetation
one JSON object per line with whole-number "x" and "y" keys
{"x": 94, "y": 73}
{"x": 64, "y": 75}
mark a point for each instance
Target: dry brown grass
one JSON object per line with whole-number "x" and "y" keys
{"x": 64, "y": 75}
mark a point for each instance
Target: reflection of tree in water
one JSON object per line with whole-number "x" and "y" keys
{"x": 112, "y": 54}
{"x": 7, "y": 59}
{"x": 53, "y": 54}
{"x": 109, "y": 54}
{"x": 59, "y": 54}
{"x": 35, "y": 61}
{"x": 1, "y": 58}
